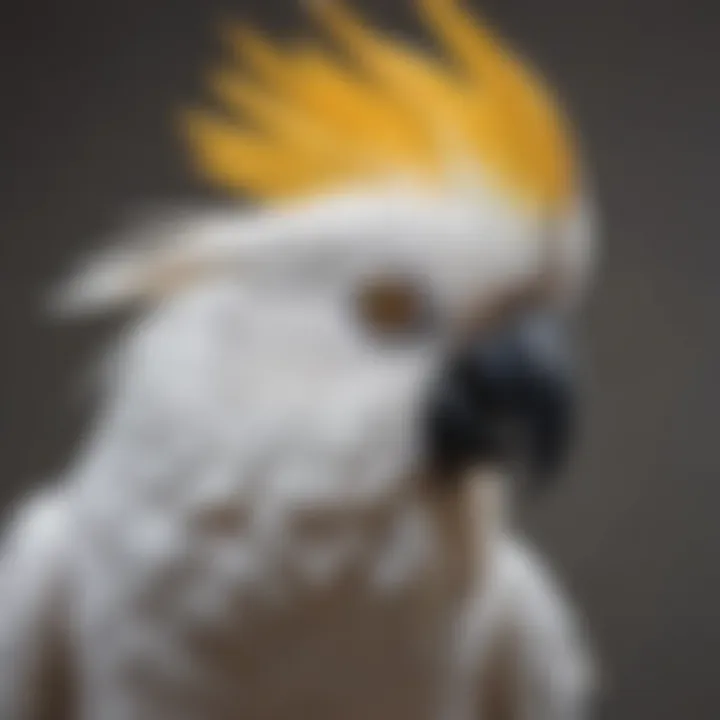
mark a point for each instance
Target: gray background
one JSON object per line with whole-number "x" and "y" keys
{"x": 87, "y": 136}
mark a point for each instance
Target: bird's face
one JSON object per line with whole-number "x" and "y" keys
{"x": 410, "y": 321}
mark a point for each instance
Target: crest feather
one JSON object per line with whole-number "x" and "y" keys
{"x": 302, "y": 120}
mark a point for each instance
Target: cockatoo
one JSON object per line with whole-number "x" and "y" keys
{"x": 293, "y": 501}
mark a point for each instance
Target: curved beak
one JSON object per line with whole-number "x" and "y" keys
{"x": 507, "y": 398}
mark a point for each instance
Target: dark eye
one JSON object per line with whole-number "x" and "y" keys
{"x": 394, "y": 306}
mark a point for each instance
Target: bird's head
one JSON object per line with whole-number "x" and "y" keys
{"x": 421, "y": 234}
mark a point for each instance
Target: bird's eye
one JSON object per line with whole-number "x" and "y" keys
{"x": 394, "y": 306}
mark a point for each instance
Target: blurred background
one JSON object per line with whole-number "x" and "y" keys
{"x": 89, "y": 87}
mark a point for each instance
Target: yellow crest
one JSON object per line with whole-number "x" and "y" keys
{"x": 302, "y": 119}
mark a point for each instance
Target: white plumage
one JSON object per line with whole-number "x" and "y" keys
{"x": 247, "y": 533}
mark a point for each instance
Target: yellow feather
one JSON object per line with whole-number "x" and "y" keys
{"x": 242, "y": 160}
{"x": 357, "y": 110}
{"x": 250, "y": 46}
{"x": 529, "y": 109}
{"x": 385, "y": 108}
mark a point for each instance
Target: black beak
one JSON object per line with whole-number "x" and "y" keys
{"x": 508, "y": 399}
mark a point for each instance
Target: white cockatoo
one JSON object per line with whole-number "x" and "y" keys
{"x": 292, "y": 502}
